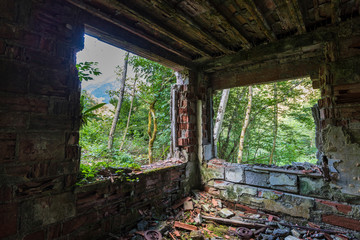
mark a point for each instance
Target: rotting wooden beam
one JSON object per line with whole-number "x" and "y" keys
{"x": 138, "y": 32}
{"x": 116, "y": 36}
{"x": 296, "y": 15}
{"x": 293, "y": 45}
{"x": 335, "y": 11}
{"x": 212, "y": 40}
{"x": 259, "y": 18}
{"x": 316, "y": 10}
{"x": 266, "y": 73}
{"x": 158, "y": 26}
{"x": 232, "y": 22}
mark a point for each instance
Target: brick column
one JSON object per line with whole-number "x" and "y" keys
{"x": 340, "y": 118}
{"x": 39, "y": 122}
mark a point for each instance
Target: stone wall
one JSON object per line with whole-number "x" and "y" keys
{"x": 291, "y": 195}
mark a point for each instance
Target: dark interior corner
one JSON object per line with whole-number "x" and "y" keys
{"x": 212, "y": 45}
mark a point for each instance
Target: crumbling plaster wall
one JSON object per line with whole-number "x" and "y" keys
{"x": 39, "y": 123}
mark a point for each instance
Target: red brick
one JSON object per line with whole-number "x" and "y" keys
{"x": 345, "y": 222}
{"x": 6, "y": 193}
{"x": 7, "y": 147}
{"x": 40, "y": 235}
{"x": 184, "y": 103}
{"x": 54, "y": 231}
{"x": 8, "y": 220}
{"x": 42, "y": 147}
{"x": 25, "y": 104}
{"x": 245, "y": 208}
{"x": 77, "y": 222}
{"x": 339, "y": 207}
{"x": 185, "y": 118}
{"x": 47, "y": 45}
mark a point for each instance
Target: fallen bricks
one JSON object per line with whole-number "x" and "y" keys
{"x": 189, "y": 219}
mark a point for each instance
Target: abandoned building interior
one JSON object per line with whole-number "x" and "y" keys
{"x": 212, "y": 45}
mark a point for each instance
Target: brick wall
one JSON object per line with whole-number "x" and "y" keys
{"x": 39, "y": 99}
{"x": 39, "y": 122}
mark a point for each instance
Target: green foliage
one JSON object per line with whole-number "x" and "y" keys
{"x": 86, "y": 70}
{"x": 296, "y": 129}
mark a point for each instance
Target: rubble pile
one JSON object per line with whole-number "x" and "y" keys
{"x": 203, "y": 216}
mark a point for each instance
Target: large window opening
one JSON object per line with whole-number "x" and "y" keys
{"x": 267, "y": 124}
{"x": 141, "y": 133}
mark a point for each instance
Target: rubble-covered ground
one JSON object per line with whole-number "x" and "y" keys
{"x": 202, "y": 216}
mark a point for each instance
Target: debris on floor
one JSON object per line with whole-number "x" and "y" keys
{"x": 204, "y": 216}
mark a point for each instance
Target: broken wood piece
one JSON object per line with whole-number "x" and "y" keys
{"x": 185, "y": 226}
{"x": 172, "y": 236}
{"x": 181, "y": 202}
{"x": 177, "y": 233}
{"x": 141, "y": 233}
{"x": 297, "y": 172}
{"x": 234, "y": 222}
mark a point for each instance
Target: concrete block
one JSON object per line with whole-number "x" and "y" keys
{"x": 311, "y": 186}
{"x": 257, "y": 178}
{"x": 292, "y": 205}
{"x": 235, "y": 173}
{"x": 283, "y": 181}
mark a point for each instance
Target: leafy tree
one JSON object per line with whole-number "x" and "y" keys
{"x": 86, "y": 72}
{"x": 154, "y": 90}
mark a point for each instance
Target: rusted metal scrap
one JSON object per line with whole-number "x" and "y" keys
{"x": 244, "y": 233}
{"x": 152, "y": 235}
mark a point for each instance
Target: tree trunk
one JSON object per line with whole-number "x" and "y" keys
{"x": 152, "y": 134}
{"x": 245, "y": 125}
{"x": 220, "y": 114}
{"x": 118, "y": 106}
{"x": 275, "y": 124}
{"x": 128, "y": 120}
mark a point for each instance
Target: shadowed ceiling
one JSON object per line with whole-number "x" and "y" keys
{"x": 191, "y": 33}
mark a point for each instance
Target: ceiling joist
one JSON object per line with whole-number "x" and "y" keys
{"x": 296, "y": 15}
{"x": 259, "y": 18}
{"x": 212, "y": 40}
{"x": 218, "y": 6}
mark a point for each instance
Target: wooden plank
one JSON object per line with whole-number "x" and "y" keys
{"x": 158, "y": 26}
{"x": 259, "y": 18}
{"x": 185, "y": 226}
{"x": 296, "y": 15}
{"x": 234, "y": 222}
{"x": 231, "y": 21}
{"x": 314, "y": 175}
{"x": 130, "y": 29}
{"x": 266, "y": 74}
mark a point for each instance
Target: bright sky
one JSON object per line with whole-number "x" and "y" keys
{"x": 106, "y": 55}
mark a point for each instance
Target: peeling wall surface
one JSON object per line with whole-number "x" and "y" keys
{"x": 294, "y": 196}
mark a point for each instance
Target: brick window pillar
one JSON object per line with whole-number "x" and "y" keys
{"x": 340, "y": 117}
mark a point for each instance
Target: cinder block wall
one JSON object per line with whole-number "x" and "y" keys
{"x": 39, "y": 122}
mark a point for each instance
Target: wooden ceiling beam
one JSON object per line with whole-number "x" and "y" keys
{"x": 259, "y": 18}
{"x": 212, "y": 40}
{"x": 335, "y": 13}
{"x": 296, "y": 15}
{"x": 147, "y": 19}
{"x": 141, "y": 34}
{"x": 231, "y": 21}
{"x": 289, "y": 46}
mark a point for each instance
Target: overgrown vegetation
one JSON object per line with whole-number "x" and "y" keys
{"x": 286, "y": 117}
{"x": 280, "y": 129}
